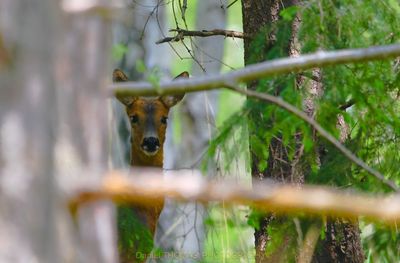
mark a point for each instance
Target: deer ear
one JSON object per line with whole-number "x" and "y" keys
{"x": 171, "y": 100}
{"x": 119, "y": 76}
{"x": 184, "y": 74}
{"x": 127, "y": 101}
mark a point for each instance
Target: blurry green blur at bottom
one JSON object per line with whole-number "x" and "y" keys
{"x": 135, "y": 240}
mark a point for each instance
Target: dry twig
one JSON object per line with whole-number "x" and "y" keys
{"x": 182, "y": 33}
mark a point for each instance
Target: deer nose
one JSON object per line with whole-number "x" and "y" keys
{"x": 150, "y": 144}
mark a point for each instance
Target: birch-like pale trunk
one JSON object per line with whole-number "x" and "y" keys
{"x": 53, "y": 131}
{"x": 181, "y": 226}
{"x": 28, "y": 201}
{"x": 82, "y": 146}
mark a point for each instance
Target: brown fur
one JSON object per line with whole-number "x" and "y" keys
{"x": 140, "y": 108}
{"x": 147, "y": 109}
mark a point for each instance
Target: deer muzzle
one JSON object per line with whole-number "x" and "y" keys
{"x": 150, "y": 145}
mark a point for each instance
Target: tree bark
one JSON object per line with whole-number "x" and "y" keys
{"x": 343, "y": 241}
{"x": 257, "y": 17}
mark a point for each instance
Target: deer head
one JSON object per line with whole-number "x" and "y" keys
{"x": 148, "y": 117}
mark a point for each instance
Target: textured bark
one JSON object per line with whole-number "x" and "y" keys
{"x": 343, "y": 241}
{"x": 258, "y": 15}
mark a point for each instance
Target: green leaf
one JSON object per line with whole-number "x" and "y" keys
{"x": 254, "y": 218}
{"x": 262, "y": 165}
{"x": 140, "y": 66}
{"x": 289, "y": 13}
{"x": 118, "y": 51}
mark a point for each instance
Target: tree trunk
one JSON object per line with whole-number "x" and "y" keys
{"x": 83, "y": 106}
{"x": 28, "y": 201}
{"x": 53, "y": 131}
{"x": 197, "y": 117}
{"x": 342, "y": 242}
{"x": 259, "y": 19}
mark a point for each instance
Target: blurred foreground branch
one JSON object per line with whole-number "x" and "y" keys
{"x": 149, "y": 186}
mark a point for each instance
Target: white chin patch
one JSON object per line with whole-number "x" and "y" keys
{"x": 150, "y": 153}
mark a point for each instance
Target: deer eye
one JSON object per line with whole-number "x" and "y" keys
{"x": 134, "y": 119}
{"x": 164, "y": 119}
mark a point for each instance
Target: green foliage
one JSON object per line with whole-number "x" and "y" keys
{"x": 334, "y": 24}
{"x": 370, "y": 90}
{"x": 230, "y": 140}
{"x": 228, "y": 235}
{"x": 373, "y": 120}
{"x": 289, "y": 13}
{"x": 254, "y": 218}
{"x": 118, "y": 51}
{"x": 373, "y": 87}
{"x": 153, "y": 75}
{"x": 383, "y": 245}
{"x": 135, "y": 240}
{"x": 140, "y": 66}
{"x": 282, "y": 246}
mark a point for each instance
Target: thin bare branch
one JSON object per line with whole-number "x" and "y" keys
{"x": 183, "y": 9}
{"x": 182, "y": 33}
{"x": 231, "y": 4}
{"x": 147, "y": 187}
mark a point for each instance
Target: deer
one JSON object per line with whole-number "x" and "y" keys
{"x": 148, "y": 117}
